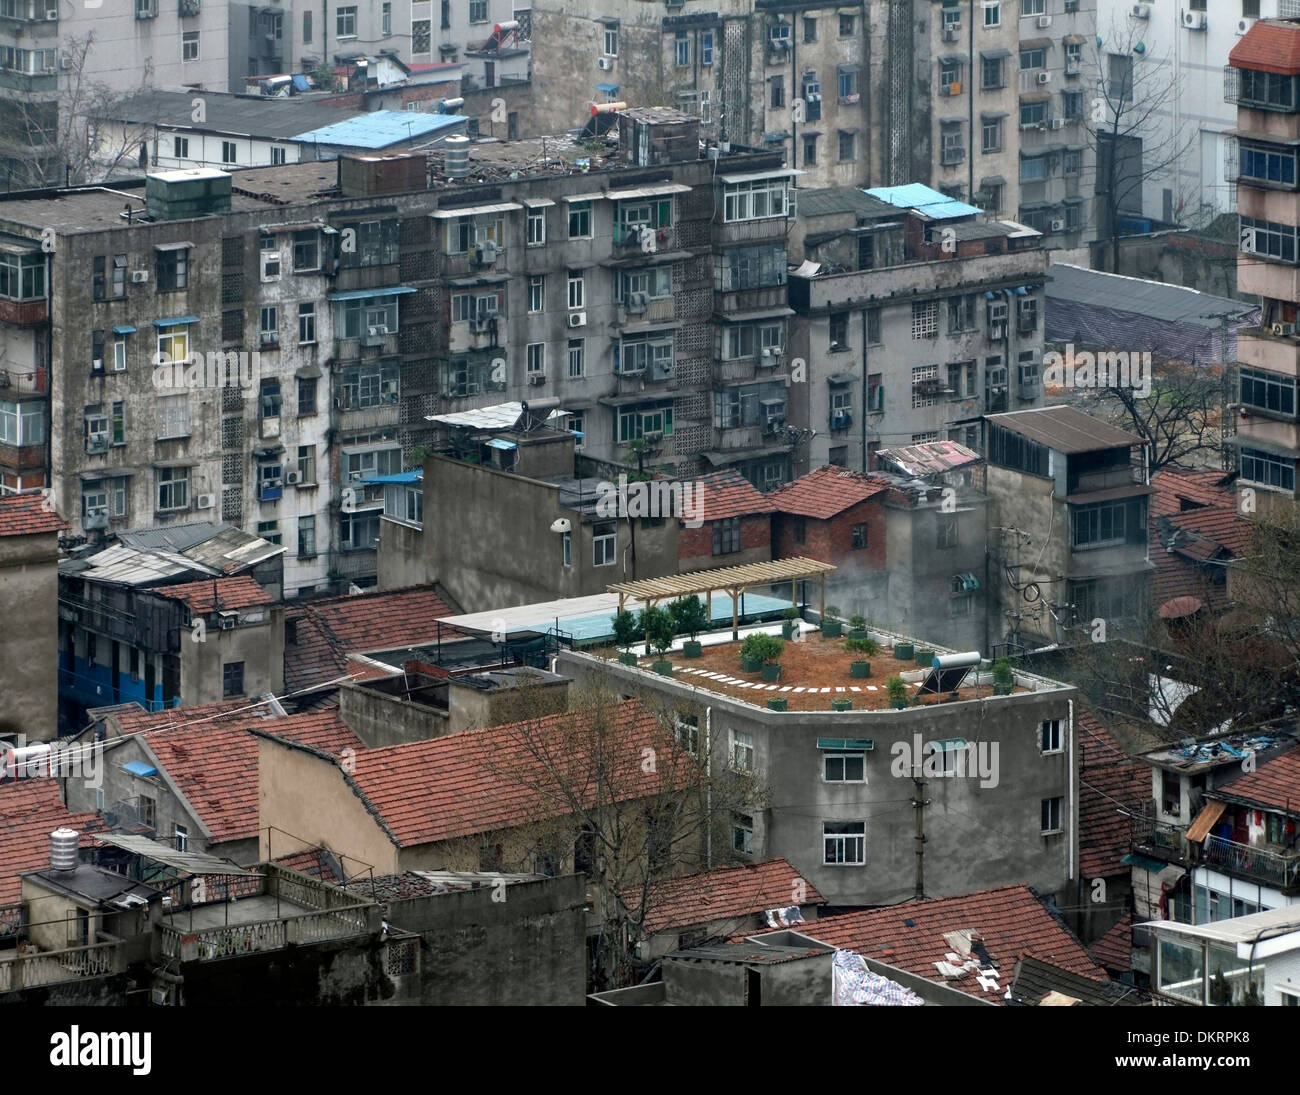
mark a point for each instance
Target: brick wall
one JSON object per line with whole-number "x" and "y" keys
{"x": 832, "y": 541}
{"x": 695, "y": 545}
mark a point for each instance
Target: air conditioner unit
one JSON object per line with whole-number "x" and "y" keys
{"x": 65, "y": 63}
{"x": 653, "y": 437}
{"x": 1058, "y": 225}
{"x": 49, "y": 70}
{"x": 1044, "y": 78}
{"x": 1195, "y": 20}
{"x": 577, "y": 319}
{"x": 536, "y": 378}
{"x": 96, "y": 519}
{"x": 1056, "y": 123}
{"x": 52, "y": 16}
{"x": 204, "y": 501}
{"x": 139, "y": 276}
{"x": 1244, "y": 25}
{"x": 227, "y": 623}
{"x": 1141, "y": 11}
{"x": 1073, "y": 66}
{"x": 292, "y": 478}
{"x": 950, "y": 33}
{"x": 638, "y": 302}
{"x": 605, "y": 63}
{"x": 1284, "y": 330}
{"x": 1044, "y": 21}
{"x": 485, "y": 253}
{"x": 773, "y": 351}
{"x": 997, "y": 311}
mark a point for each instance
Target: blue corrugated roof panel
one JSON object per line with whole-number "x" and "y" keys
{"x": 381, "y": 128}
{"x": 139, "y": 768}
{"x": 920, "y": 197}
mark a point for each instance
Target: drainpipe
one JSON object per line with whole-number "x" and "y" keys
{"x": 864, "y": 391}
{"x": 708, "y": 787}
{"x": 970, "y": 98}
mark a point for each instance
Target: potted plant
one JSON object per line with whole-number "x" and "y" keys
{"x": 857, "y": 627}
{"x": 904, "y": 651}
{"x": 659, "y": 632}
{"x": 841, "y": 703}
{"x": 777, "y": 703}
{"x": 925, "y": 658}
{"x": 832, "y": 625}
{"x": 626, "y": 633}
{"x": 897, "y": 692}
{"x": 759, "y": 652}
{"x": 690, "y": 618}
{"x": 789, "y": 616}
{"x": 1004, "y": 679}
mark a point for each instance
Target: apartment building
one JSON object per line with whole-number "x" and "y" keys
{"x": 1067, "y": 525}
{"x": 911, "y": 312}
{"x": 1264, "y": 78}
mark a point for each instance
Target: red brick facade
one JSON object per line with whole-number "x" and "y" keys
{"x": 695, "y": 545}
{"x": 831, "y": 541}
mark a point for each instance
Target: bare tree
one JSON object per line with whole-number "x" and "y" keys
{"x": 1123, "y": 124}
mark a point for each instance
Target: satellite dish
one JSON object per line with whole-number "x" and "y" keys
{"x": 561, "y": 524}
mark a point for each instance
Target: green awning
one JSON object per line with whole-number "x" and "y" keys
{"x": 855, "y": 745}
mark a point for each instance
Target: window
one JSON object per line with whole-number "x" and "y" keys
{"x": 1072, "y": 109}
{"x": 1033, "y": 169}
{"x": 859, "y": 537}
{"x": 577, "y": 358}
{"x": 634, "y": 422}
{"x": 992, "y": 13}
{"x": 706, "y": 47}
{"x": 359, "y": 316}
{"x": 306, "y": 323}
{"x": 566, "y": 548}
{"x": 1268, "y": 239}
{"x": 844, "y": 843}
{"x": 611, "y": 39}
{"x": 945, "y": 532}
{"x": 378, "y": 242}
{"x": 1268, "y": 164}
{"x": 1032, "y": 114}
{"x": 269, "y": 531}
{"x": 755, "y": 200}
{"x": 173, "y": 488}
{"x": 536, "y": 227}
{"x": 306, "y": 536}
{"x": 747, "y": 268}
{"x": 173, "y": 270}
{"x": 1099, "y": 525}
{"x": 359, "y": 531}
{"x": 993, "y": 73}
{"x": 190, "y": 45}
{"x": 655, "y": 282}
{"x": 847, "y": 23}
{"x": 961, "y": 313}
{"x": 1266, "y": 469}
{"x": 182, "y": 838}
{"x": 847, "y": 141}
{"x": 1268, "y": 391}
{"x": 370, "y": 384}
{"x": 580, "y": 220}
{"x": 181, "y": 148}
{"x": 536, "y": 293}
{"x": 682, "y": 49}
{"x": 742, "y": 751}
{"x": 809, "y": 28}
{"x": 844, "y": 767}
{"x": 925, "y": 319}
{"x": 1032, "y": 58}
{"x": 229, "y": 153}
{"x": 232, "y": 679}
{"x": 742, "y": 834}
{"x": 1266, "y": 90}
{"x": 687, "y": 733}
{"x": 306, "y": 251}
{"x": 1049, "y": 736}
{"x": 173, "y": 417}
{"x": 345, "y": 25}
{"x": 117, "y": 422}
{"x": 706, "y": 106}
{"x": 604, "y": 544}
{"x": 1051, "y": 815}
{"x": 726, "y": 536}
{"x": 306, "y": 465}
{"x": 577, "y": 289}
{"x": 1119, "y": 84}
{"x": 95, "y": 429}
{"x": 269, "y": 326}
{"x": 924, "y": 378}
{"x": 810, "y": 151}
{"x": 22, "y": 423}
{"x": 306, "y": 28}
{"x": 776, "y": 87}
{"x": 1032, "y": 7}
{"x": 847, "y": 83}
{"x": 386, "y": 20}
{"x": 535, "y": 355}
{"x": 306, "y": 395}
{"x": 991, "y": 129}
{"x": 478, "y": 11}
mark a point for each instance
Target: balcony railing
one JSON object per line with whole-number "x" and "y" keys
{"x": 1258, "y": 864}
{"x": 267, "y": 935}
{"x": 70, "y": 964}
{"x": 1163, "y": 841}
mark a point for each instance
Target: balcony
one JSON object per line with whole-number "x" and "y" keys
{"x": 1163, "y": 842}
{"x": 643, "y": 237}
{"x": 19, "y": 381}
{"x": 23, "y": 313}
{"x": 367, "y": 346}
{"x": 70, "y": 964}
{"x": 769, "y": 229}
{"x": 380, "y": 416}
{"x": 1280, "y": 869}
{"x": 649, "y": 310}
{"x": 750, "y": 299}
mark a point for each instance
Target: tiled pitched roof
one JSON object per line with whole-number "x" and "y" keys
{"x": 327, "y": 631}
{"x": 1011, "y": 922}
{"x": 727, "y": 493}
{"x": 30, "y": 810}
{"x": 480, "y": 781}
{"x": 25, "y": 515}
{"x": 1197, "y": 514}
{"x": 1269, "y": 46}
{"x": 724, "y": 894}
{"x": 1172, "y": 487}
{"x": 1274, "y": 785}
{"x": 1114, "y": 950}
{"x": 134, "y": 719}
{"x": 212, "y": 594}
{"x": 825, "y": 492}
{"x": 1110, "y": 783}
{"x": 215, "y": 764}
{"x": 315, "y": 862}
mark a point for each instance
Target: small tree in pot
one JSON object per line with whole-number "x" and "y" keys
{"x": 897, "y": 692}
{"x": 1004, "y": 678}
{"x": 857, "y": 627}
{"x": 660, "y": 630}
{"x": 760, "y": 652}
{"x": 690, "y": 618}
{"x": 832, "y": 625}
{"x": 626, "y": 632}
{"x": 787, "y": 627}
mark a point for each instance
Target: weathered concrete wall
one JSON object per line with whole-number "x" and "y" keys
{"x": 403, "y": 559}
{"x": 28, "y": 593}
{"x": 260, "y": 646}
{"x": 472, "y": 708}
{"x": 527, "y": 949}
{"x": 380, "y": 720}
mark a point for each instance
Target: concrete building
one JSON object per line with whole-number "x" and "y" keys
{"x": 1068, "y": 518}
{"x": 1266, "y": 64}
{"x": 914, "y": 317}
{"x": 29, "y": 591}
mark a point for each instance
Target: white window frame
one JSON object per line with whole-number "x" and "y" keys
{"x": 843, "y": 756}
{"x": 1045, "y": 806}
{"x": 1051, "y": 730}
{"x": 849, "y": 843}
{"x": 741, "y": 750}
{"x": 604, "y": 546}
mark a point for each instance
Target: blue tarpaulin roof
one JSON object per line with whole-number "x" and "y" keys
{"x": 399, "y": 477}
{"x": 501, "y": 443}
{"x": 361, "y": 294}
{"x": 381, "y": 128}
{"x": 928, "y": 202}
{"x": 139, "y": 768}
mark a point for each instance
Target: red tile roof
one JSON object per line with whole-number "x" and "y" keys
{"x": 1274, "y": 785}
{"x": 1172, "y": 487}
{"x": 1271, "y": 45}
{"x": 134, "y": 719}
{"x": 1110, "y": 783}
{"x": 1197, "y": 513}
{"x": 30, "y": 810}
{"x": 215, "y": 764}
{"x": 724, "y": 894}
{"x": 327, "y": 631}
{"x": 315, "y": 862}
{"x": 28, "y": 515}
{"x": 213, "y": 594}
{"x": 1114, "y": 950}
{"x": 825, "y": 492}
{"x": 480, "y": 781}
{"x": 727, "y": 493}
{"x": 1011, "y": 922}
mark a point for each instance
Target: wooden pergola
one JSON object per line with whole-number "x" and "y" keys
{"x": 730, "y": 580}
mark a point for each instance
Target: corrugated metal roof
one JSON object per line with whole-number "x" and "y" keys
{"x": 1153, "y": 299}
{"x": 501, "y": 416}
{"x": 929, "y": 457}
{"x": 196, "y": 863}
{"x": 127, "y": 566}
{"x": 381, "y": 128}
{"x": 1065, "y": 429}
{"x": 927, "y": 202}
{"x": 172, "y": 537}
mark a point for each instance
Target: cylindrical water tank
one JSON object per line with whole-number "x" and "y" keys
{"x": 64, "y": 843}
{"x": 956, "y": 661}
{"x": 456, "y": 156}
